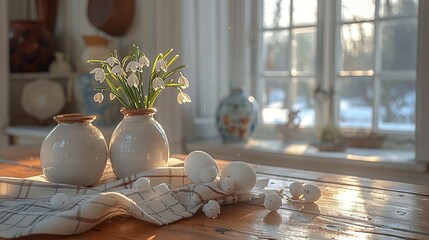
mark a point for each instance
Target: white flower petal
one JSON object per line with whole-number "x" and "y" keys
{"x": 144, "y": 61}
{"x": 94, "y": 70}
{"x": 112, "y": 60}
{"x": 183, "y": 98}
{"x": 158, "y": 83}
{"x": 98, "y": 97}
{"x": 118, "y": 71}
{"x": 132, "y": 66}
{"x": 183, "y": 81}
{"x": 161, "y": 65}
{"x": 132, "y": 80}
{"x": 112, "y": 96}
{"x": 100, "y": 75}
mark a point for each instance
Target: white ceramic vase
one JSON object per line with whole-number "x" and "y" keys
{"x": 74, "y": 152}
{"x": 138, "y": 143}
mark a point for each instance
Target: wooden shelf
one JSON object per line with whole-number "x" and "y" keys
{"x": 37, "y": 75}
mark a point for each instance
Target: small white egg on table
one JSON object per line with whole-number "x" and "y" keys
{"x": 243, "y": 175}
{"x": 295, "y": 188}
{"x": 211, "y": 209}
{"x": 311, "y": 193}
{"x": 59, "y": 201}
{"x": 272, "y": 202}
{"x": 199, "y": 167}
{"x": 142, "y": 184}
{"x": 226, "y": 185}
{"x": 208, "y": 174}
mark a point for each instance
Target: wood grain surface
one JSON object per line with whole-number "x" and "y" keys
{"x": 350, "y": 208}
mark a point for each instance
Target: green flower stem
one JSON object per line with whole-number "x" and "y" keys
{"x": 167, "y": 53}
{"x": 97, "y": 61}
{"x": 154, "y": 63}
{"x": 114, "y": 90}
{"x": 172, "y": 60}
{"x": 150, "y": 90}
{"x": 175, "y": 70}
{"x": 154, "y": 96}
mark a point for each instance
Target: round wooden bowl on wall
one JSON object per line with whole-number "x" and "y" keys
{"x": 113, "y": 17}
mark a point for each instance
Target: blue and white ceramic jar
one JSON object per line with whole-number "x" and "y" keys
{"x": 237, "y": 116}
{"x": 106, "y": 111}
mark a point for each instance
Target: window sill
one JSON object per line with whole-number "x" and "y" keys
{"x": 396, "y": 165}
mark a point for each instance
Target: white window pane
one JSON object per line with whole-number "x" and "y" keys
{"x": 276, "y": 13}
{"x": 303, "y": 51}
{"x": 304, "y": 12}
{"x": 398, "y": 101}
{"x": 357, "y": 46}
{"x": 276, "y": 50}
{"x": 301, "y": 94}
{"x": 391, "y": 8}
{"x": 357, "y": 10}
{"x": 399, "y": 45}
{"x": 355, "y": 102}
{"x": 275, "y": 97}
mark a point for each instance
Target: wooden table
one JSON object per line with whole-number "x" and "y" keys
{"x": 350, "y": 208}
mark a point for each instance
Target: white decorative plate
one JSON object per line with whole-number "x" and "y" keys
{"x": 43, "y": 98}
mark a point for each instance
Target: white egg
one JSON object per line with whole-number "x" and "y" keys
{"x": 195, "y": 162}
{"x": 211, "y": 209}
{"x": 208, "y": 174}
{"x": 243, "y": 175}
{"x": 295, "y": 188}
{"x": 272, "y": 202}
{"x": 59, "y": 201}
{"x": 311, "y": 193}
{"x": 226, "y": 185}
{"x": 142, "y": 184}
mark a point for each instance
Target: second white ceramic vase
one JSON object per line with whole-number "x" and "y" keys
{"x": 138, "y": 143}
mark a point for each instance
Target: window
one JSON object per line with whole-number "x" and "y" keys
{"x": 359, "y": 74}
{"x": 288, "y": 59}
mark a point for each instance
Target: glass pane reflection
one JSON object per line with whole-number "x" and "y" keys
{"x": 398, "y": 45}
{"x": 276, "y": 47}
{"x": 357, "y": 46}
{"x": 398, "y": 100}
{"x": 276, "y": 13}
{"x": 355, "y": 102}
{"x": 304, "y": 12}
{"x": 357, "y": 10}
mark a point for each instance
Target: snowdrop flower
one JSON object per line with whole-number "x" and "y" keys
{"x": 117, "y": 70}
{"x": 100, "y": 75}
{"x": 183, "y": 98}
{"x": 98, "y": 97}
{"x": 112, "y": 96}
{"x": 132, "y": 80}
{"x": 183, "y": 81}
{"x": 132, "y": 66}
{"x": 158, "y": 83}
{"x": 144, "y": 61}
{"x": 161, "y": 65}
{"x": 112, "y": 60}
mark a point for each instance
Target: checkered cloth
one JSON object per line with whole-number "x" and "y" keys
{"x": 25, "y": 207}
